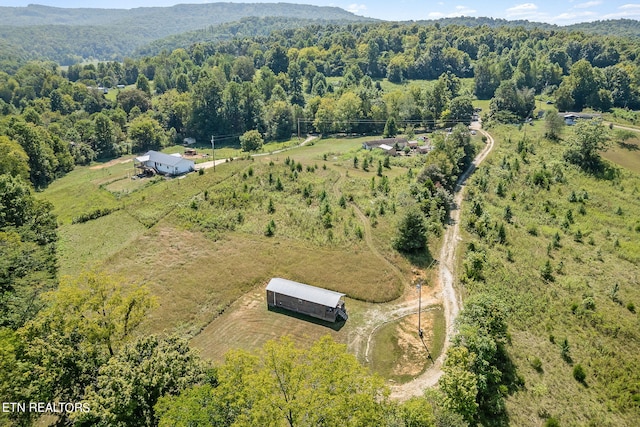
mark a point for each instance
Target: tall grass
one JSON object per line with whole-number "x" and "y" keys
{"x": 585, "y": 230}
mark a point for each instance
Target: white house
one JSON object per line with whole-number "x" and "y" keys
{"x": 165, "y": 164}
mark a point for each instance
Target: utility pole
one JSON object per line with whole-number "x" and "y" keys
{"x": 419, "y": 286}
{"x": 213, "y": 153}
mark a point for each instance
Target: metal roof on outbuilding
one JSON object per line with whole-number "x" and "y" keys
{"x": 167, "y": 159}
{"x": 304, "y": 292}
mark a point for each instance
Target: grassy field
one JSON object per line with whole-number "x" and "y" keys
{"x": 199, "y": 244}
{"x": 587, "y": 229}
{"x": 626, "y": 155}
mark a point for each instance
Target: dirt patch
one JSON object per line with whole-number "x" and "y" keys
{"x": 110, "y": 163}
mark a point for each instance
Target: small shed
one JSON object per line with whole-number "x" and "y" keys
{"x": 165, "y": 164}
{"x": 306, "y": 299}
{"x": 387, "y": 149}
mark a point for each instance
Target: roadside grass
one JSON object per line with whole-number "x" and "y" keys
{"x": 398, "y": 354}
{"x": 594, "y": 277}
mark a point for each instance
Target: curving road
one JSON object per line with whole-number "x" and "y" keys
{"x": 447, "y": 263}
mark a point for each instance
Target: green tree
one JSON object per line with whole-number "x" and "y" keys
{"x": 585, "y": 146}
{"x": 390, "y": 128}
{"x": 14, "y": 160}
{"x": 146, "y": 134}
{"x": 348, "y": 110}
{"x": 553, "y": 125}
{"x": 131, "y": 383}
{"x": 284, "y": 385}
{"x": 130, "y": 98}
{"x": 28, "y": 235}
{"x": 104, "y": 136}
{"x": 143, "y": 84}
{"x": 412, "y": 232}
{"x": 458, "y": 384}
{"x": 251, "y": 141}
{"x": 460, "y": 110}
{"x": 86, "y": 321}
{"x": 279, "y": 120}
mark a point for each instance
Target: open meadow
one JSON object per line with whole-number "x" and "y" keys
{"x": 565, "y": 267}
{"x": 206, "y": 244}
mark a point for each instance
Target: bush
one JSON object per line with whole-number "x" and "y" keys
{"x": 94, "y": 214}
{"x": 579, "y": 374}
{"x": 251, "y": 141}
{"x": 552, "y": 422}
{"x": 271, "y": 229}
{"x": 536, "y": 364}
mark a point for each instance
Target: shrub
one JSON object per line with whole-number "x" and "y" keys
{"x": 536, "y": 364}
{"x": 412, "y": 232}
{"x": 547, "y": 271}
{"x": 251, "y": 141}
{"x": 631, "y": 307}
{"x": 579, "y": 374}
{"x": 94, "y": 214}
{"x": 270, "y": 229}
{"x": 552, "y": 422}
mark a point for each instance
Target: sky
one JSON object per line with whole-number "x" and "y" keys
{"x": 560, "y": 12}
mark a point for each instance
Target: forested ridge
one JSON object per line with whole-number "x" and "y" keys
{"x": 73, "y": 339}
{"x": 70, "y": 35}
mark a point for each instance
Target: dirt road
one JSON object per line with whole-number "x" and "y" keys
{"x": 210, "y": 164}
{"x": 450, "y": 300}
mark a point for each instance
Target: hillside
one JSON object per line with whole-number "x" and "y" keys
{"x": 69, "y": 35}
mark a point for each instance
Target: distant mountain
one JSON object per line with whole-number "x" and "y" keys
{"x": 67, "y": 35}
{"x": 613, "y": 27}
{"x": 71, "y": 35}
{"x": 246, "y": 27}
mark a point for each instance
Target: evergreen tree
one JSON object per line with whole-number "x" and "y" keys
{"x": 412, "y": 232}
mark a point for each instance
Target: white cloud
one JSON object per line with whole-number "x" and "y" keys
{"x": 436, "y": 15}
{"x": 630, "y": 6}
{"x": 630, "y": 11}
{"x": 356, "y": 8}
{"x": 525, "y": 9}
{"x": 587, "y": 5}
{"x": 574, "y": 16}
{"x": 462, "y": 11}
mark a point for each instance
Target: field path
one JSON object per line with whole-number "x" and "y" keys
{"x": 451, "y": 302}
{"x": 367, "y": 233}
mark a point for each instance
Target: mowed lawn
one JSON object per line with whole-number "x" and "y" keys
{"x": 626, "y": 155}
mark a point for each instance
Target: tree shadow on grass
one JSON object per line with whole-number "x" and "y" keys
{"x": 420, "y": 259}
{"x": 336, "y": 326}
{"x": 628, "y": 146}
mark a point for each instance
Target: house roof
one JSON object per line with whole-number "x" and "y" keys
{"x": 385, "y": 147}
{"x": 167, "y": 159}
{"x": 304, "y": 292}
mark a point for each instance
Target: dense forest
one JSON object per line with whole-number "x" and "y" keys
{"x": 77, "y": 343}
{"x": 68, "y": 36}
